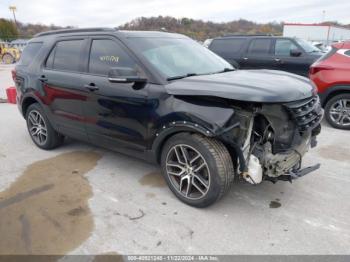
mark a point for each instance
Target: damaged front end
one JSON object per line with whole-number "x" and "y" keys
{"x": 270, "y": 140}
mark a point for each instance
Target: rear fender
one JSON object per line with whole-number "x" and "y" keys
{"x": 332, "y": 91}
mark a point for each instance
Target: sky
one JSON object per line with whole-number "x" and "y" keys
{"x": 112, "y": 13}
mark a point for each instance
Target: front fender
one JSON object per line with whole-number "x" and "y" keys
{"x": 187, "y": 114}
{"x": 211, "y": 115}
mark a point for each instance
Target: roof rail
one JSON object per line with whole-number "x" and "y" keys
{"x": 76, "y": 30}
{"x": 231, "y": 35}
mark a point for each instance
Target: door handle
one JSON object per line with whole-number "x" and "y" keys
{"x": 278, "y": 60}
{"x": 245, "y": 58}
{"x": 43, "y": 78}
{"x": 91, "y": 87}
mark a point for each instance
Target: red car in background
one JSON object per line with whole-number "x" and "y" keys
{"x": 331, "y": 74}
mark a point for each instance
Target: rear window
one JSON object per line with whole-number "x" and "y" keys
{"x": 65, "y": 56}
{"x": 30, "y": 52}
{"x": 227, "y": 46}
{"x": 259, "y": 46}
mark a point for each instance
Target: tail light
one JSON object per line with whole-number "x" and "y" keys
{"x": 314, "y": 69}
{"x": 14, "y": 75}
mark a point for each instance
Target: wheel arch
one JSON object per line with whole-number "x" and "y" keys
{"x": 172, "y": 129}
{"x": 334, "y": 91}
{"x": 27, "y": 101}
{"x": 164, "y": 135}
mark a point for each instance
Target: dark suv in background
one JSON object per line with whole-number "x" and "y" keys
{"x": 164, "y": 98}
{"x": 266, "y": 52}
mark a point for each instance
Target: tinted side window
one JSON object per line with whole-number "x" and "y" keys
{"x": 66, "y": 55}
{"x": 284, "y": 46}
{"x": 29, "y": 53}
{"x": 105, "y": 54}
{"x": 259, "y": 46}
{"x": 347, "y": 53}
{"x": 227, "y": 46}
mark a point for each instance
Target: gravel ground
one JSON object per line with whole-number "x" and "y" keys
{"x": 80, "y": 199}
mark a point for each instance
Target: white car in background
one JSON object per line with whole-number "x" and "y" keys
{"x": 320, "y": 46}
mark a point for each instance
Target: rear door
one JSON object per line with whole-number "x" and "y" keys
{"x": 229, "y": 48}
{"x": 258, "y": 54}
{"x": 117, "y": 113}
{"x": 63, "y": 90}
{"x": 285, "y": 62}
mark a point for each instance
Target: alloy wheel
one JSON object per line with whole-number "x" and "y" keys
{"x": 188, "y": 171}
{"x": 339, "y": 112}
{"x": 37, "y": 127}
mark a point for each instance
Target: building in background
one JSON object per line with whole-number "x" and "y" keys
{"x": 326, "y": 34}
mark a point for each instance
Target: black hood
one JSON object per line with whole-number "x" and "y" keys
{"x": 245, "y": 85}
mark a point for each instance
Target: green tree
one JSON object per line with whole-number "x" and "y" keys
{"x": 8, "y": 30}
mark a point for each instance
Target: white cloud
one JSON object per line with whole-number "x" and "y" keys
{"x": 115, "y": 12}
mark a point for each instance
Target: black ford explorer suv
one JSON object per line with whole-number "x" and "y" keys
{"x": 164, "y": 98}
{"x": 292, "y": 55}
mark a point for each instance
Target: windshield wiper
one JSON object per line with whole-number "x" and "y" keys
{"x": 180, "y": 77}
{"x": 226, "y": 69}
{"x": 194, "y": 74}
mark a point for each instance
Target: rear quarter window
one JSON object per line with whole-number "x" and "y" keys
{"x": 227, "y": 47}
{"x": 29, "y": 53}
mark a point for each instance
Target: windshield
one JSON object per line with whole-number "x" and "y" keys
{"x": 176, "y": 57}
{"x": 307, "y": 46}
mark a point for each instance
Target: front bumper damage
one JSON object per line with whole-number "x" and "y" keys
{"x": 271, "y": 141}
{"x": 292, "y": 175}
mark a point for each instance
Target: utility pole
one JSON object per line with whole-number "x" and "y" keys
{"x": 13, "y": 9}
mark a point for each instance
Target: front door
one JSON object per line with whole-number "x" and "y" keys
{"x": 116, "y": 113}
{"x": 286, "y": 62}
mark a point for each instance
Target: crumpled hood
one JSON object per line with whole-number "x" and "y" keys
{"x": 247, "y": 85}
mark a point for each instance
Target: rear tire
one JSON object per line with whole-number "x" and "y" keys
{"x": 40, "y": 129}
{"x": 197, "y": 169}
{"x": 337, "y": 111}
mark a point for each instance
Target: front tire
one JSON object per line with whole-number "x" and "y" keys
{"x": 197, "y": 169}
{"x": 40, "y": 129}
{"x": 337, "y": 111}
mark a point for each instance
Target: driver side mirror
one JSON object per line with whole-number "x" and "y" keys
{"x": 295, "y": 52}
{"x": 124, "y": 75}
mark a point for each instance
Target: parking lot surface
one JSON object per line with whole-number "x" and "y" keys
{"x": 80, "y": 199}
{"x": 5, "y": 79}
